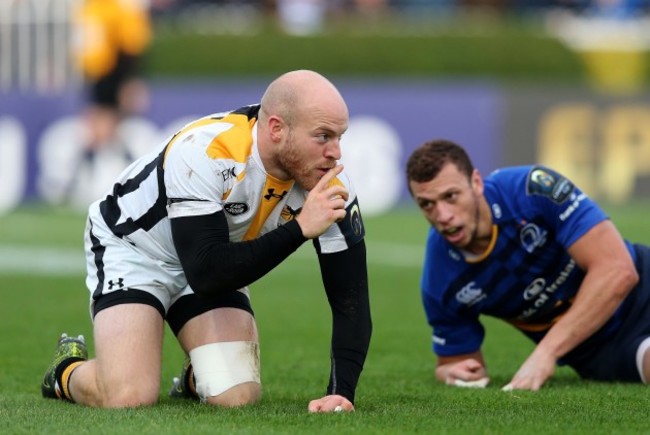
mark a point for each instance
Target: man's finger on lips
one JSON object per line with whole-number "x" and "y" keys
{"x": 326, "y": 179}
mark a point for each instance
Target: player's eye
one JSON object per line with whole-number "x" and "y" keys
{"x": 451, "y": 197}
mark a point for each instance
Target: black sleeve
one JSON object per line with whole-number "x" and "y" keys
{"x": 213, "y": 264}
{"x": 345, "y": 277}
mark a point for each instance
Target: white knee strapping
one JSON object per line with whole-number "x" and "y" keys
{"x": 220, "y": 366}
{"x": 640, "y": 352}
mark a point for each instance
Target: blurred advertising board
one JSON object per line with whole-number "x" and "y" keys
{"x": 602, "y": 142}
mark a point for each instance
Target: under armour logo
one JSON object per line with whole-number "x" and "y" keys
{"x": 119, "y": 284}
{"x": 271, "y": 194}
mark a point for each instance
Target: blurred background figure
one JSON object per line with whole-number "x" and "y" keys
{"x": 111, "y": 39}
{"x": 301, "y": 17}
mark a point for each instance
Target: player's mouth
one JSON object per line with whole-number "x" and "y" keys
{"x": 323, "y": 171}
{"x": 453, "y": 234}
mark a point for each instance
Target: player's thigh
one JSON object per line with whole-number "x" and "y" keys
{"x": 226, "y": 324}
{"x": 128, "y": 347}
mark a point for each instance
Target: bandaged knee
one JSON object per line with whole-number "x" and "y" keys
{"x": 220, "y": 366}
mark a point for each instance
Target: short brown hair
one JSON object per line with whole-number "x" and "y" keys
{"x": 427, "y": 161}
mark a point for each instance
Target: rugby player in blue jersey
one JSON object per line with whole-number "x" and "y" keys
{"x": 527, "y": 246}
{"x": 186, "y": 229}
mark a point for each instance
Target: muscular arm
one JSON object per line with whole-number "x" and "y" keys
{"x": 213, "y": 264}
{"x": 346, "y": 283}
{"x": 610, "y": 275}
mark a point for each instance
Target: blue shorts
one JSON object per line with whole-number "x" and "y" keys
{"x": 615, "y": 360}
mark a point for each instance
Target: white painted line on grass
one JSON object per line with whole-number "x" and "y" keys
{"x": 40, "y": 260}
{"x": 47, "y": 260}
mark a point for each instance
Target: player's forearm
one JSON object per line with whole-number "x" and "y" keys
{"x": 610, "y": 274}
{"x": 350, "y": 342}
{"x": 346, "y": 284}
{"x": 599, "y": 296}
{"x": 212, "y": 264}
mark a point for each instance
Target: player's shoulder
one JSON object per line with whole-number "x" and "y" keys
{"x": 243, "y": 117}
{"x": 509, "y": 174}
{"x": 548, "y": 183}
{"x": 530, "y": 181}
{"x": 220, "y": 134}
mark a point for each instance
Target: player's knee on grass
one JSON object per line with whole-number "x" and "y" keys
{"x": 239, "y": 395}
{"x": 130, "y": 396}
{"x": 227, "y": 374}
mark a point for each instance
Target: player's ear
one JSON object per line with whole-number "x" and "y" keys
{"x": 277, "y": 126}
{"x": 476, "y": 182}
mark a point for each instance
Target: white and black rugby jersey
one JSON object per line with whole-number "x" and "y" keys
{"x": 211, "y": 164}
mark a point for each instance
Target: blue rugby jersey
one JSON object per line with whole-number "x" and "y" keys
{"x": 527, "y": 279}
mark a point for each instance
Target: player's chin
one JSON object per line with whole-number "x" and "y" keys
{"x": 308, "y": 182}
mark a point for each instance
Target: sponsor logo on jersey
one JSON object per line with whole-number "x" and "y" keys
{"x": 534, "y": 288}
{"x": 228, "y": 173}
{"x": 236, "y": 208}
{"x": 531, "y": 237}
{"x": 470, "y": 295}
{"x": 575, "y": 203}
{"x": 548, "y": 183}
{"x": 271, "y": 194}
{"x": 542, "y": 294}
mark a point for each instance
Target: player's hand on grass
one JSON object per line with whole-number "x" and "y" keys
{"x": 533, "y": 373}
{"x": 332, "y": 403}
{"x": 324, "y": 205}
{"x": 467, "y": 373}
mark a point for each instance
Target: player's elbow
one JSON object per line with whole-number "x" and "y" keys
{"x": 621, "y": 279}
{"x": 208, "y": 283}
{"x": 628, "y": 277}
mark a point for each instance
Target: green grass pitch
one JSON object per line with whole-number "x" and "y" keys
{"x": 43, "y": 294}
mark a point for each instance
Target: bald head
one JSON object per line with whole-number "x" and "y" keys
{"x": 297, "y": 91}
{"x": 301, "y": 121}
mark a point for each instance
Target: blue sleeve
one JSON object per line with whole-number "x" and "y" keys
{"x": 453, "y": 333}
{"x": 566, "y": 208}
{"x": 540, "y": 193}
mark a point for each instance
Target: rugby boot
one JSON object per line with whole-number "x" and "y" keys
{"x": 68, "y": 350}
{"x": 181, "y": 385}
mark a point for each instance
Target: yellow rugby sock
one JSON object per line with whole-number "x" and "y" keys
{"x": 65, "y": 380}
